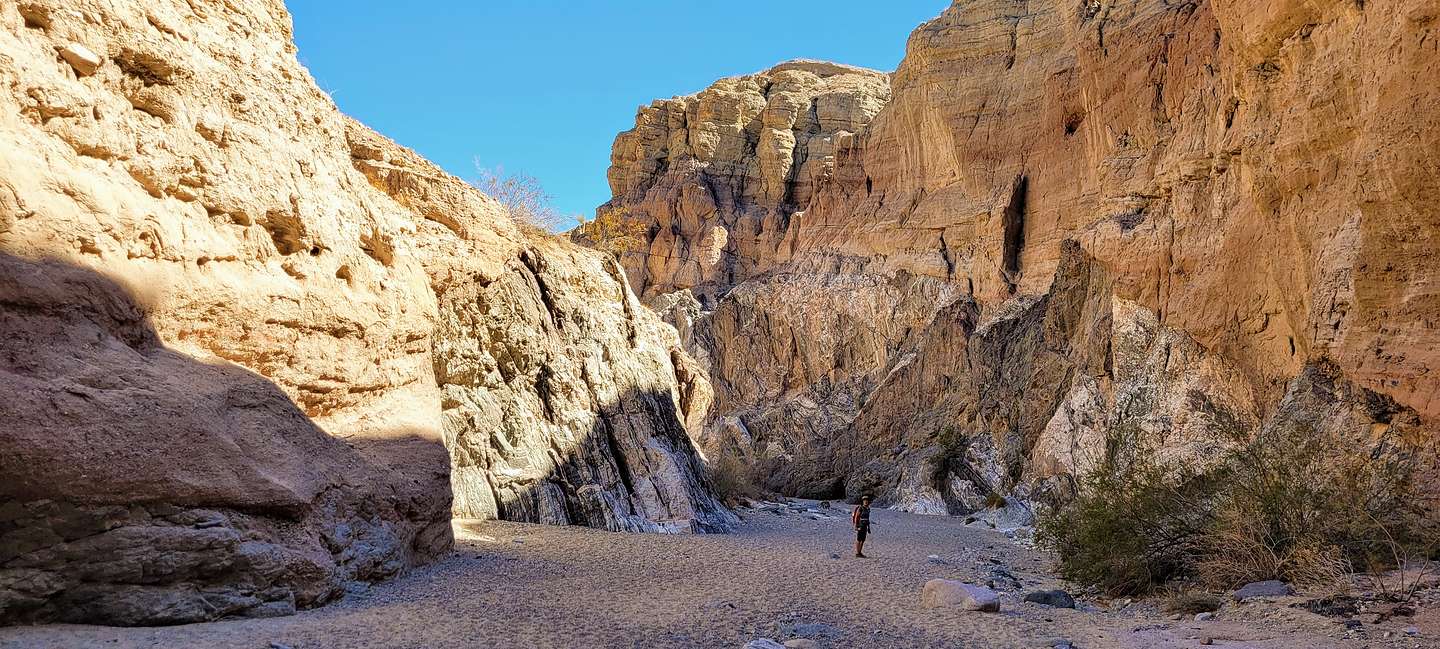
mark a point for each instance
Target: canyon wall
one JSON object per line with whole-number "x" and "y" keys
{"x": 243, "y": 339}
{"x": 1069, "y": 221}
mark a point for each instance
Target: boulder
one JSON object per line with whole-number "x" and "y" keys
{"x": 1012, "y": 515}
{"x": 1051, "y": 598}
{"x": 946, "y": 593}
{"x": 1271, "y": 588}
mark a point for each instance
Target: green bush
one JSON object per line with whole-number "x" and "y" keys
{"x": 1130, "y": 529}
{"x": 1292, "y": 505}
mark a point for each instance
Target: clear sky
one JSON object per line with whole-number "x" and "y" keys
{"x": 542, "y": 86}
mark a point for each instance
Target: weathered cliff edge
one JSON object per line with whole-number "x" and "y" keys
{"x": 243, "y": 338}
{"x": 1178, "y": 222}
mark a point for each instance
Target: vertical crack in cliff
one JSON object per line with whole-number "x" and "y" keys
{"x": 1100, "y": 28}
{"x": 1014, "y": 41}
{"x": 1013, "y": 223}
{"x": 545, "y": 389}
{"x": 945, "y": 255}
{"x": 612, "y": 446}
{"x": 622, "y": 465}
{"x": 1158, "y": 69}
{"x": 799, "y": 156}
{"x": 612, "y": 268}
{"x": 565, "y": 489}
{"x": 536, "y": 265}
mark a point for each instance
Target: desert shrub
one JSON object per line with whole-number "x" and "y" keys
{"x": 1305, "y": 508}
{"x": 1130, "y": 527}
{"x": 614, "y": 230}
{"x": 731, "y": 480}
{"x": 523, "y": 199}
{"x": 1293, "y": 505}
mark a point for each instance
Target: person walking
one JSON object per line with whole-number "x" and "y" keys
{"x": 861, "y": 519}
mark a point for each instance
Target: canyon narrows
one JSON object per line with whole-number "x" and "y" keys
{"x": 243, "y": 338}
{"x": 1056, "y": 221}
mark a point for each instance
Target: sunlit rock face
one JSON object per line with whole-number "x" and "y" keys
{"x": 561, "y": 398}
{"x": 243, "y": 338}
{"x": 1249, "y": 188}
{"x": 721, "y": 173}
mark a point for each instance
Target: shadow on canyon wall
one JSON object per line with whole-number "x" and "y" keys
{"x": 635, "y": 469}
{"x": 144, "y": 486}
{"x": 565, "y": 404}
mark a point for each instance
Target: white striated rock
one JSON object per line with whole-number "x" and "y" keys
{"x": 940, "y": 593}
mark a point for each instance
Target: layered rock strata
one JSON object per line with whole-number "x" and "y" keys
{"x": 243, "y": 338}
{"x": 1247, "y": 191}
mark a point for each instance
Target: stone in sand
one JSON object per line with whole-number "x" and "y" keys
{"x": 1051, "y": 598}
{"x": 763, "y": 643}
{"x": 1002, "y": 579}
{"x": 948, "y": 592}
{"x": 1013, "y": 515}
{"x": 1272, "y": 588}
{"x": 805, "y": 629}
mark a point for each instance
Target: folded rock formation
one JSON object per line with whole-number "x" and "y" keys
{"x": 1068, "y": 220}
{"x": 243, "y": 338}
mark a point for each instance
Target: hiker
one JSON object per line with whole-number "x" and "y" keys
{"x": 861, "y": 518}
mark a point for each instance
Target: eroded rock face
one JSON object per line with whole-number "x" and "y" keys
{"x": 721, "y": 173}
{"x": 1142, "y": 217}
{"x": 562, "y": 399}
{"x": 239, "y": 332}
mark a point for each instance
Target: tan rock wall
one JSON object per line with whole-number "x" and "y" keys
{"x": 1256, "y": 179}
{"x": 241, "y": 332}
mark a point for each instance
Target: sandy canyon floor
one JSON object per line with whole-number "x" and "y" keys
{"x": 781, "y": 575}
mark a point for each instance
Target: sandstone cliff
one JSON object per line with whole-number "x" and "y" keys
{"x": 720, "y": 173}
{"x": 243, "y": 338}
{"x": 1070, "y": 219}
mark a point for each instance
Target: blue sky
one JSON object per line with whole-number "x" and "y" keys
{"x": 542, "y": 87}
